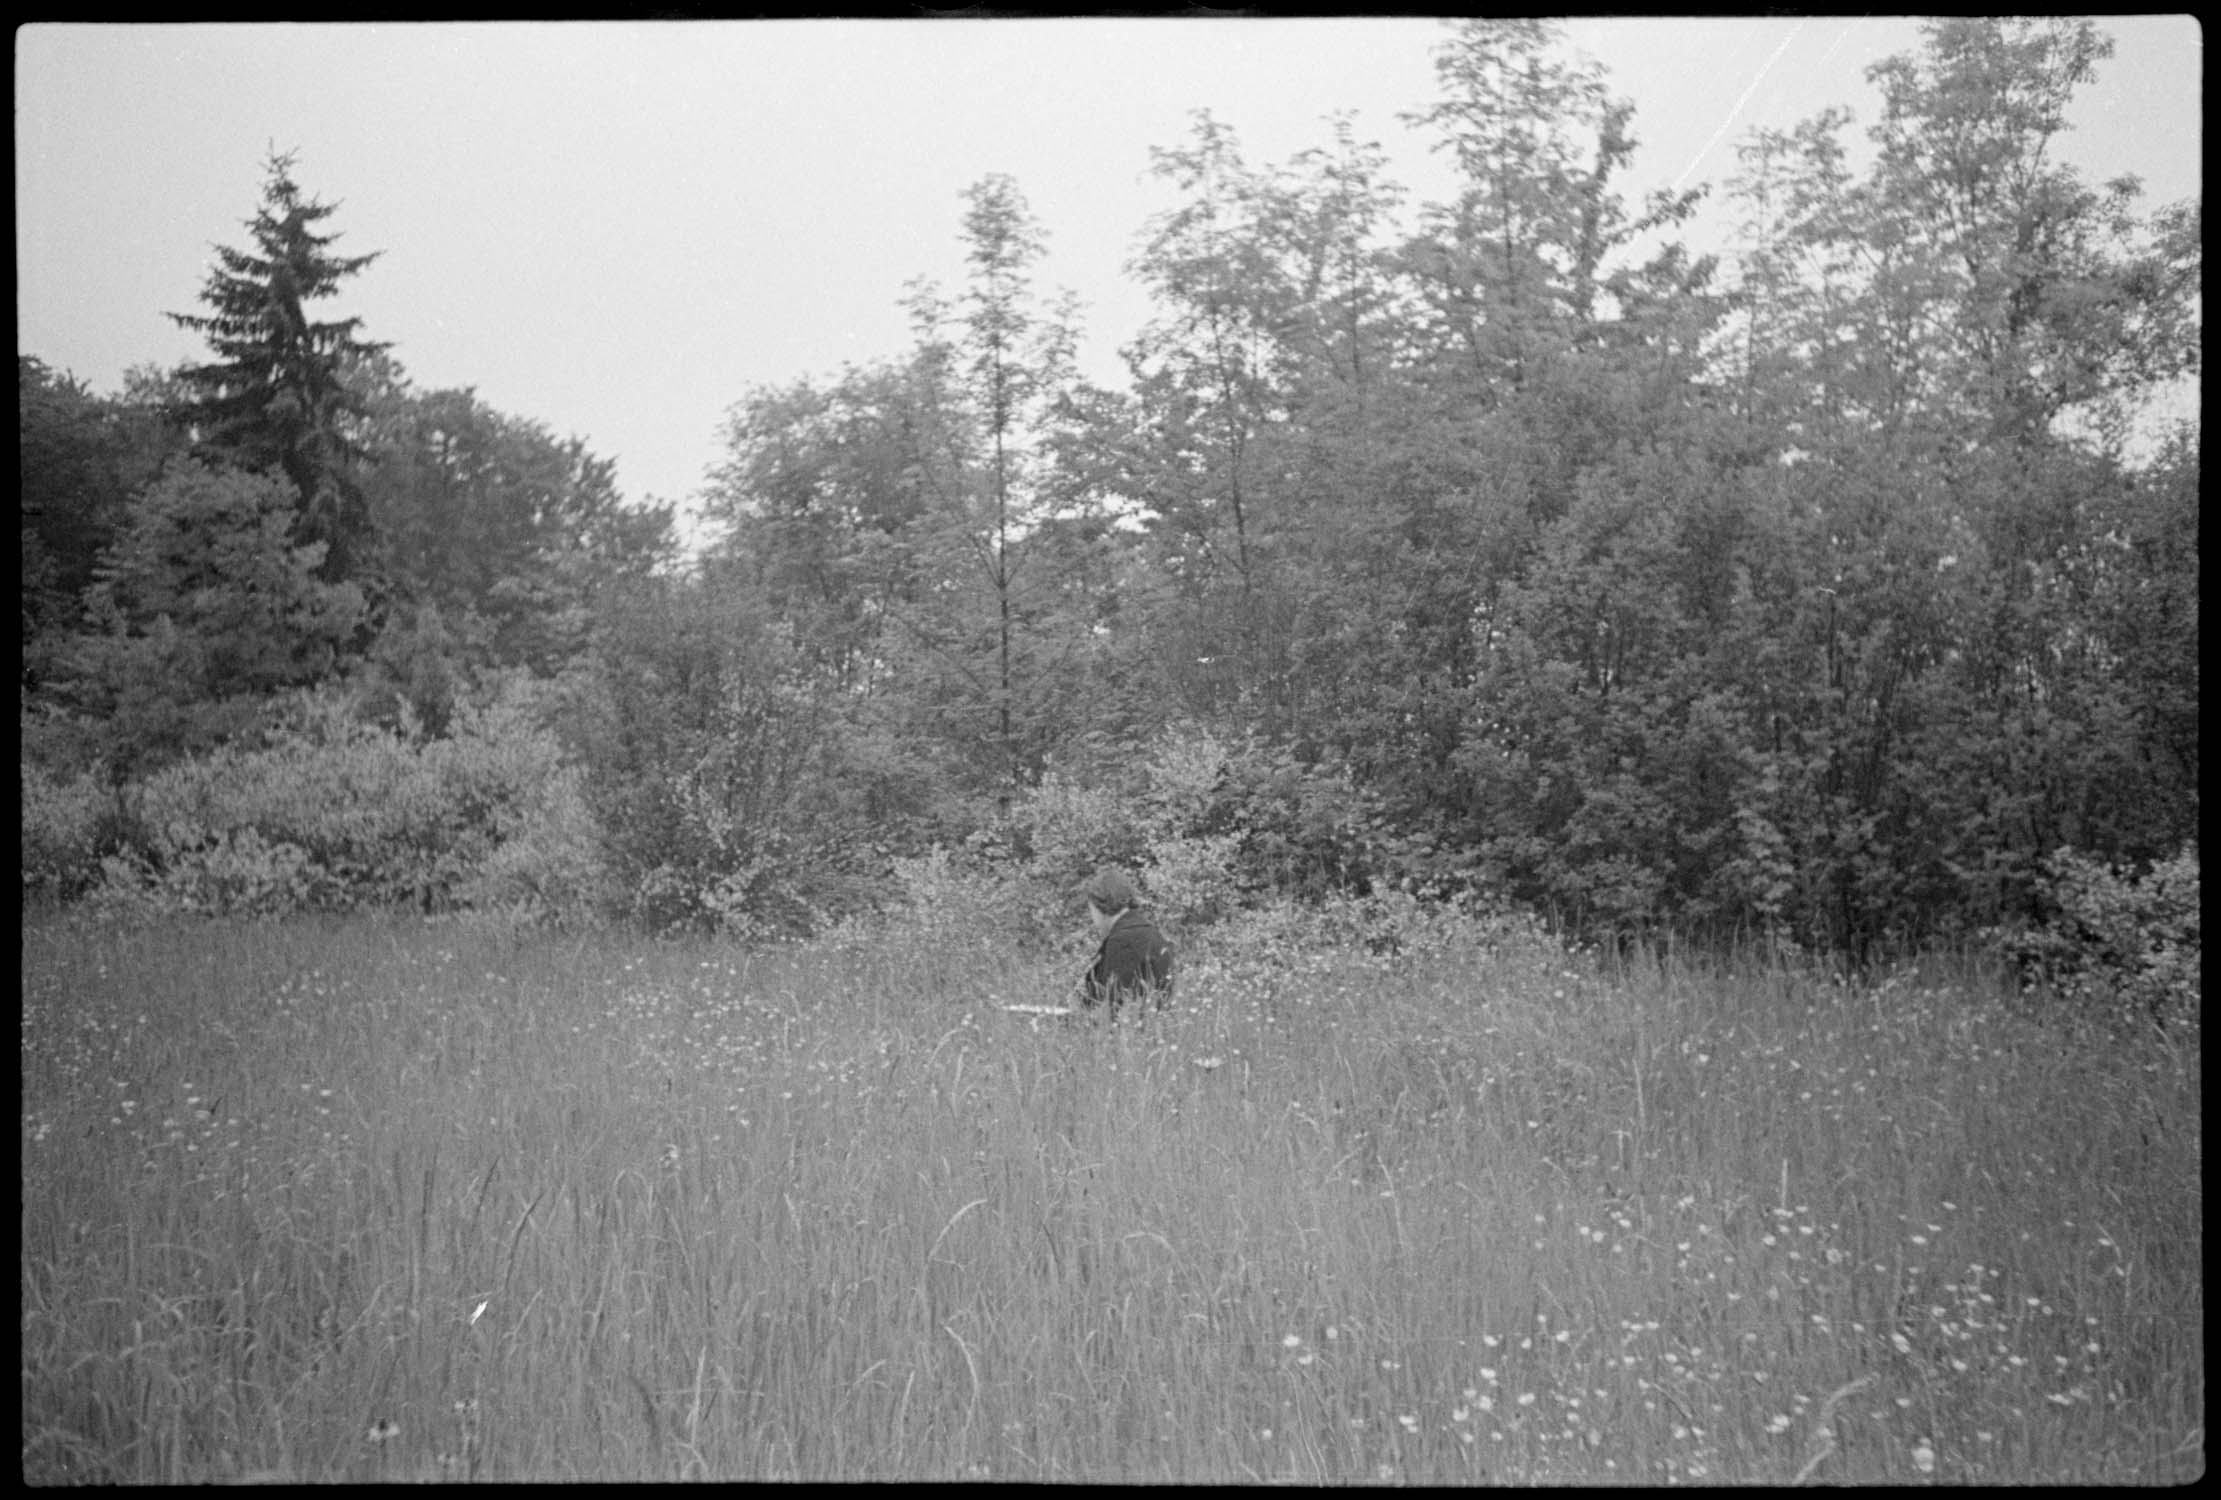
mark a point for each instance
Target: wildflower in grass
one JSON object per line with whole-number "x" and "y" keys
{"x": 1778, "y": 1423}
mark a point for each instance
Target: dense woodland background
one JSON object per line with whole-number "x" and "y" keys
{"x": 1841, "y": 592}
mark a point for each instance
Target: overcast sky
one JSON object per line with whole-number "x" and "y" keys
{"x": 618, "y": 229}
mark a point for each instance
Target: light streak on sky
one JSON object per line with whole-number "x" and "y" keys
{"x": 1732, "y": 115}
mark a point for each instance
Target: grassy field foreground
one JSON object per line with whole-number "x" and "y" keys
{"x": 378, "y": 1199}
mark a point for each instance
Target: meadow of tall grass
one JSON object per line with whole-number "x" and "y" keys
{"x": 374, "y": 1198}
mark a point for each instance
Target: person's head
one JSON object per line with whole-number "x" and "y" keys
{"x": 1109, "y": 893}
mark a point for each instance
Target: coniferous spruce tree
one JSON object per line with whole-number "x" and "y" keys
{"x": 274, "y": 397}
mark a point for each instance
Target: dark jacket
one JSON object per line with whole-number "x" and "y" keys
{"x": 1134, "y": 962}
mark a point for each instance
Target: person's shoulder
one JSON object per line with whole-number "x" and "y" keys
{"x": 1140, "y": 930}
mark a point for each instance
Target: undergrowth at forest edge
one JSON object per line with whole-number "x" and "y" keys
{"x": 376, "y": 1199}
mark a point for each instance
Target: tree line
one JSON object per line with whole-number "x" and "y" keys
{"x": 1826, "y": 590}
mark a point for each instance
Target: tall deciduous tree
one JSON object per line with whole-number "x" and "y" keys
{"x": 275, "y": 397}
{"x": 2022, "y": 251}
{"x": 1937, "y": 356}
{"x": 1513, "y": 276}
{"x": 1255, "y": 435}
{"x": 817, "y": 493}
{"x": 482, "y": 513}
{"x": 1207, "y": 363}
{"x": 1514, "y": 267}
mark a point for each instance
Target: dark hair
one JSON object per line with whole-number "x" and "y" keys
{"x": 1109, "y": 890}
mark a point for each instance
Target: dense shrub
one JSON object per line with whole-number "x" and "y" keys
{"x": 234, "y": 872}
{"x": 2124, "y": 943}
{"x": 63, "y": 823}
{"x": 331, "y": 813}
{"x": 1072, "y": 827}
{"x": 1210, "y": 826}
{"x": 1301, "y": 829}
{"x": 1140, "y": 819}
{"x": 734, "y": 790}
{"x": 956, "y": 898}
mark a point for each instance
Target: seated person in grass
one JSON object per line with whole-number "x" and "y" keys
{"x": 1134, "y": 961}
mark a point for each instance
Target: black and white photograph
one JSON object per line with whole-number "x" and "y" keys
{"x": 1170, "y": 749}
